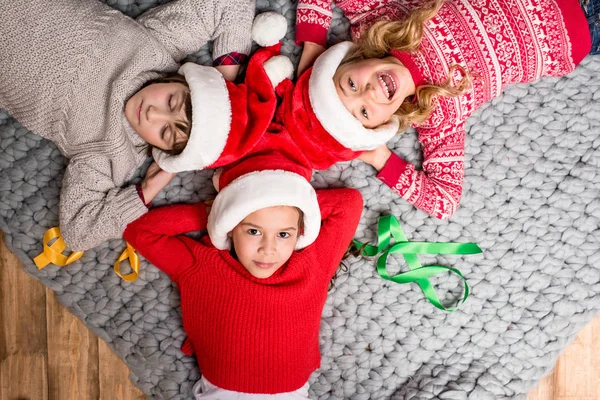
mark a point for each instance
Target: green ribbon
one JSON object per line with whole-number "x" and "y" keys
{"x": 389, "y": 227}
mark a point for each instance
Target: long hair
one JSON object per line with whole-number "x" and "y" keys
{"x": 405, "y": 35}
{"x": 351, "y": 251}
{"x": 183, "y": 126}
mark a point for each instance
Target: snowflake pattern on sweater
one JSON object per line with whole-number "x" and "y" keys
{"x": 499, "y": 42}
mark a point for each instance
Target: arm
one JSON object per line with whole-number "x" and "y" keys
{"x": 183, "y": 26}
{"x": 313, "y": 18}
{"x": 158, "y": 236}
{"x": 438, "y": 187}
{"x": 155, "y": 181}
{"x": 340, "y": 212}
{"x": 229, "y": 72}
{"x": 310, "y": 52}
{"x": 92, "y": 209}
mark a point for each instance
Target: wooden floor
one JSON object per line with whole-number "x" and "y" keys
{"x": 48, "y": 354}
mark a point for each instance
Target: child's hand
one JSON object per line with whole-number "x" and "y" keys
{"x": 310, "y": 52}
{"x": 229, "y": 72}
{"x": 156, "y": 179}
{"x": 377, "y": 157}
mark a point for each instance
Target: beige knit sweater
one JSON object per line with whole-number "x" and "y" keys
{"x": 67, "y": 68}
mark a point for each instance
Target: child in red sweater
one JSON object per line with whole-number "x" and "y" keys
{"x": 252, "y": 299}
{"x": 431, "y": 65}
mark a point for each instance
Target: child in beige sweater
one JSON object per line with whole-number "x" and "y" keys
{"x": 84, "y": 76}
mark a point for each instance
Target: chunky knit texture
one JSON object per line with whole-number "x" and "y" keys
{"x": 531, "y": 201}
{"x": 67, "y": 68}
{"x": 249, "y": 335}
{"x": 499, "y": 42}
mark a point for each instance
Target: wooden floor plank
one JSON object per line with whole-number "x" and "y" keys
{"x": 544, "y": 390}
{"x": 46, "y": 353}
{"x": 578, "y": 369}
{"x": 23, "y": 377}
{"x": 114, "y": 377}
{"x": 23, "y": 346}
{"x": 576, "y": 375}
{"x": 72, "y": 354}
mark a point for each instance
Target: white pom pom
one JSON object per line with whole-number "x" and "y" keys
{"x": 278, "y": 68}
{"x": 268, "y": 28}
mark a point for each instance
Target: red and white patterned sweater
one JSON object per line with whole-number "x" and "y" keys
{"x": 498, "y": 41}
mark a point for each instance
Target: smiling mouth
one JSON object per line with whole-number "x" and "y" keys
{"x": 264, "y": 265}
{"x": 388, "y": 84}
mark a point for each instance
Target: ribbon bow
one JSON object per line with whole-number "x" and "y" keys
{"x": 388, "y": 227}
{"x": 53, "y": 253}
{"x": 134, "y": 262}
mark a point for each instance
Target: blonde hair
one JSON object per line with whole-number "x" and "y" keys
{"x": 405, "y": 35}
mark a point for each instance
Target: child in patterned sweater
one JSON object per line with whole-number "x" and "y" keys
{"x": 430, "y": 66}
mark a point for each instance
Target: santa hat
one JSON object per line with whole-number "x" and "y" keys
{"x": 326, "y": 114}
{"x": 257, "y": 182}
{"x": 229, "y": 119}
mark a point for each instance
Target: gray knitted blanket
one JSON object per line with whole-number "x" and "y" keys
{"x": 531, "y": 201}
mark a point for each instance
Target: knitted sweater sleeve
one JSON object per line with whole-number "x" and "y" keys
{"x": 313, "y": 19}
{"x": 183, "y": 26}
{"x": 340, "y": 212}
{"x": 158, "y": 236}
{"x": 91, "y": 208}
{"x": 438, "y": 187}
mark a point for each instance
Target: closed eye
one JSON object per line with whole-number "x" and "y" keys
{"x": 170, "y": 104}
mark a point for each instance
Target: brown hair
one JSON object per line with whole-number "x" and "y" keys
{"x": 353, "y": 251}
{"x": 183, "y": 126}
{"x": 405, "y": 35}
{"x": 300, "y": 221}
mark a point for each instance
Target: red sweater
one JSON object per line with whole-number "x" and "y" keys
{"x": 500, "y": 42}
{"x": 249, "y": 335}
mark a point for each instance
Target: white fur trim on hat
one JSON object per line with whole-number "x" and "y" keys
{"x": 268, "y": 28}
{"x": 262, "y": 189}
{"x": 332, "y": 113}
{"x": 278, "y": 68}
{"x": 211, "y": 120}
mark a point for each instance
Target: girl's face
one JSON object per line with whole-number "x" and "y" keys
{"x": 266, "y": 239}
{"x": 154, "y": 110}
{"x": 373, "y": 89}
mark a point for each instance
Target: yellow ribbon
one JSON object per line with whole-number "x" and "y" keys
{"x": 134, "y": 262}
{"x": 53, "y": 253}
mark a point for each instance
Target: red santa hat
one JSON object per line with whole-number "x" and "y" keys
{"x": 265, "y": 180}
{"x": 229, "y": 119}
{"x": 325, "y": 113}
